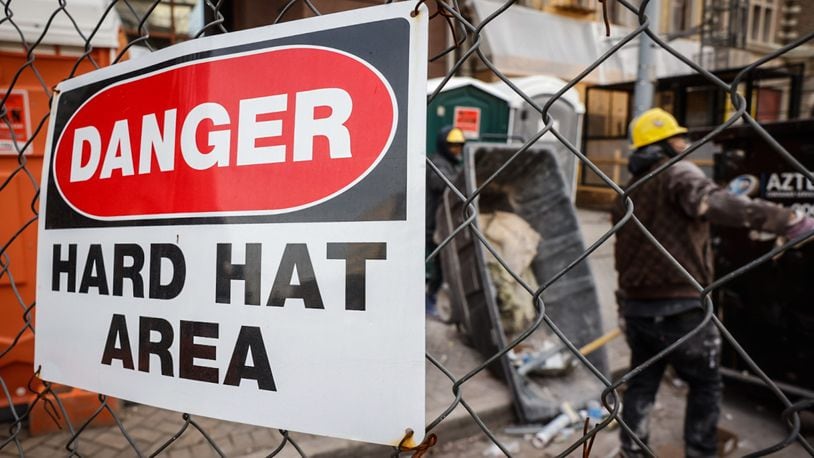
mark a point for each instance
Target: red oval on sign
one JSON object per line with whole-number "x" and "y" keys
{"x": 268, "y": 132}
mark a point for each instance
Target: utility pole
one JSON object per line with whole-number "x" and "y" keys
{"x": 646, "y": 71}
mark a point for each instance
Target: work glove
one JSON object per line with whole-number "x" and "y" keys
{"x": 803, "y": 225}
{"x": 800, "y": 226}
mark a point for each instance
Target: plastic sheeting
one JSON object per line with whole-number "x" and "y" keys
{"x": 525, "y": 41}
{"x": 32, "y": 16}
{"x": 516, "y": 243}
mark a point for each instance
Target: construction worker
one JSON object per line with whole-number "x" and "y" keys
{"x": 657, "y": 304}
{"x": 449, "y": 148}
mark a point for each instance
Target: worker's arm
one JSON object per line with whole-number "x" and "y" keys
{"x": 700, "y": 197}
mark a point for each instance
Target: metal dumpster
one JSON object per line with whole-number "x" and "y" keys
{"x": 478, "y": 109}
{"x": 538, "y": 194}
{"x": 27, "y": 105}
{"x": 774, "y": 324}
{"x": 566, "y": 114}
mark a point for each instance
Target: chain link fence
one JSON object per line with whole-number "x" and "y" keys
{"x": 466, "y": 44}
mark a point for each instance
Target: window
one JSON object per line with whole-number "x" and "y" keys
{"x": 770, "y": 100}
{"x": 681, "y": 16}
{"x": 608, "y": 113}
{"x": 763, "y": 21}
{"x": 701, "y": 108}
{"x": 606, "y": 142}
{"x": 666, "y": 101}
{"x": 619, "y": 15}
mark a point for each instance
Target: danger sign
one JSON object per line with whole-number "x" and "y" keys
{"x": 468, "y": 120}
{"x": 15, "y": 128}
{"x": 233, "y": 227}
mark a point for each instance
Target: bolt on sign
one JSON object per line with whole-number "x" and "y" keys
{"x": 233, "y": 227}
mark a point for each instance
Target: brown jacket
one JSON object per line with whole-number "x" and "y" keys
{"x": 677, "y": 207}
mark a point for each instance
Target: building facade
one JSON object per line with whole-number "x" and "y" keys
{"x": 719, "y": 35}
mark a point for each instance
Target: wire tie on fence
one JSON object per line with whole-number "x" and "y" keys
{"x": 31, "y": 380}
{"x": 48, "y": 407}
{"x": 589, "y": 444}
{"x": 52, "y": 412}
{"x": 605, "y": 16}
{"x": 55, "y": 87}
{"x": 439, "y": 12}
{"x": 418, "y": 4}
{"x": 420, "y": 449}
{"x": 449, "y": 18}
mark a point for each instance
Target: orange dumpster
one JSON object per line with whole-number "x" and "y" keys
{"x": 27, "y": 80}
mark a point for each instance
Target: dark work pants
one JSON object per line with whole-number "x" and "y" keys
{"x": 696, "y": 361}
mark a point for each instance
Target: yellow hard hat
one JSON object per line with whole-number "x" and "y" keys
{"x": 654, "y": 125}
{"x": 455, "y": 135}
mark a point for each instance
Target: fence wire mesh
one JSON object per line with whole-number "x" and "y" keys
{"x": 467, "y": 43}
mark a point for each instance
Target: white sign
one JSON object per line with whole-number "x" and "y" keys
{"x": 234, "y": 227}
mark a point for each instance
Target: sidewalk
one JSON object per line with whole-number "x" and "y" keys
{"x": 151, "y": 427}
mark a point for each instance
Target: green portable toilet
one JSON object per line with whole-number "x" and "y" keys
{"x": 480, "y": 110}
